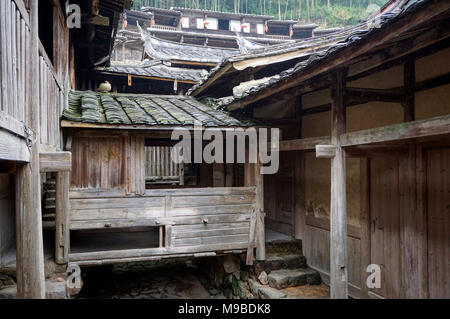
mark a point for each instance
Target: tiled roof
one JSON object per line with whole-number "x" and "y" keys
{"x": 157, "y": 70}
{"x": 171, "y": 51}
{"x": 352, "y": 36}
{"x": 144, "y": 109}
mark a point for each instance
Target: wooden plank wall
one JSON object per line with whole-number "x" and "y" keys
{"x": 195, "y": 220}
{"x": 438, "y": 221}
{"x": 15, "y": 54}
{"x": 108, "y": 161}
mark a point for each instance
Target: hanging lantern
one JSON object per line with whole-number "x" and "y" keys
{"x": 266, "y": 28}
{"x": 153, "y": 22}
{"x": 291, "y": 32}
{"x": 206, "y": 23}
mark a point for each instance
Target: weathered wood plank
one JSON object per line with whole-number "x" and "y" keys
{"x": 139, "y": 253}
{"x": 198, "y": 201}
{"x": 55, "y": 162}
{"x": 30, "y": 251}
{"x": 338, "y": 203}
{"x": 304, "y": 143}
{"x": 62, "y": 217}
{"x": 13, "y": 148}
{"x": 325, "y": 151}
{"x": 183, "y": 242}
{"x": 415, "y": 129}
{"x": 259, "y": 207}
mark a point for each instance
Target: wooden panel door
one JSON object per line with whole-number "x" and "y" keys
{"x": 385, "y": 228}
{"x": 438, "y": 222}
{"x": 279, "y": 196}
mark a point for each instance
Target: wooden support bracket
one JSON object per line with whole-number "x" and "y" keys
{"x": 325, "y": 151}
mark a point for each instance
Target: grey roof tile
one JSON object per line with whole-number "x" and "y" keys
{"x": 145, "y": 109}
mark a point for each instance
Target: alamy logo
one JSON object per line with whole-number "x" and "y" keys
{"x": 74, "y": 279}
{"x": 374, "y": 279}
{"x": 233, "y": 141}
{"x": 73, "y": 12}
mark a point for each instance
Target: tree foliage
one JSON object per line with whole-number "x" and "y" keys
{"x": 327, "y": 13}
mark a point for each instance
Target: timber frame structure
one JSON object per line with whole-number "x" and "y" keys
{"x": 38, "y": 55}
{"x": 367, "y": 137}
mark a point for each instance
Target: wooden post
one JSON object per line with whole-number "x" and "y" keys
{"x": 260, "y": 232}
{"x": 30, "y": 250}
{"x": 62, "y": 218}
{"x": 338, "y": 211}
{"x": 409, "y": 80}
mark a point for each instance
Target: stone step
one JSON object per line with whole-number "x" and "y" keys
{"x": 289, "y": 246}
{"x": 277, "y": 261}
{"x": 284, "y": 278}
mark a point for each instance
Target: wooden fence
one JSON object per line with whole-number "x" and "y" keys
{"x": 160, "y": 168}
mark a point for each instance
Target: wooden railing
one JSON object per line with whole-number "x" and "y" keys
{"x": 160, "y": 168}
{"x": 15, "y": 57}
{"x": 51, "y": 102}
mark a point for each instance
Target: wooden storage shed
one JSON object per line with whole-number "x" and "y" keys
{"x": 116, "y": 216}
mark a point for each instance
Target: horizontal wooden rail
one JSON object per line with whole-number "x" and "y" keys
{"x": 55, "y": 162}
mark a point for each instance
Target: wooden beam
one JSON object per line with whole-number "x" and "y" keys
{"x": 396, "y": 132}
{"x": 303, "y": 144}
{"x": 409, "y": 81}
{"x": 55, "y": 162}
{"x": 370, "y": 151}
{"x": 62, "y": 217}
{"x": 354, "y": 95}
{"x": 432, "y": 83}
{"x": 11, "y": 124}
{"x": 29, "y": 240}
{"x": 13, "y": 148}
{"x": 338, "y": 201}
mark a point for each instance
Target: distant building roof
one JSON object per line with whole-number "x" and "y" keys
{"x": 220, "y": 13}
{"x": 144, "y": 110}
{"x": 171, "y": 51}
{"x": 156, "y": 69}
{"x": 353, "y": 36}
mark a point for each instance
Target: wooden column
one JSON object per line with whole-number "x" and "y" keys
{"x": 260, "y": 232}
{"x": 338, "y": 211}
{"x": 30, "y": 251}
{"x": 62, "y": 218}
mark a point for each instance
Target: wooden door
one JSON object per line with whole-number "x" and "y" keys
{"x": 279, "y": 196}
{"x": 438, "y": 229}
{"x": 386, "y": 192}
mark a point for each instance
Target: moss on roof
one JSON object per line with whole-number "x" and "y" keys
{"x": 145, "y": 109}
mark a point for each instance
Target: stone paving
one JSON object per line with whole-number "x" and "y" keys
{"x": 146, "y": 281}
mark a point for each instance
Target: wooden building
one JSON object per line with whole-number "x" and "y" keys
{"x": 40, "y": 61}
{"x": 120, "y": 213}
{"x": 148, "y": 76}
{"x": 212, "y": 28}
{"x": 364, "y": 161}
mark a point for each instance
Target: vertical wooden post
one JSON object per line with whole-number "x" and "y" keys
{"x": 62, "y": 234}
{"x": 299, "y": 182}
{"x": 30, "y": 250}
{"x": 260, "y": 232}
{"x": 409, "y": 80}
{"x": 338, "y": 211}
